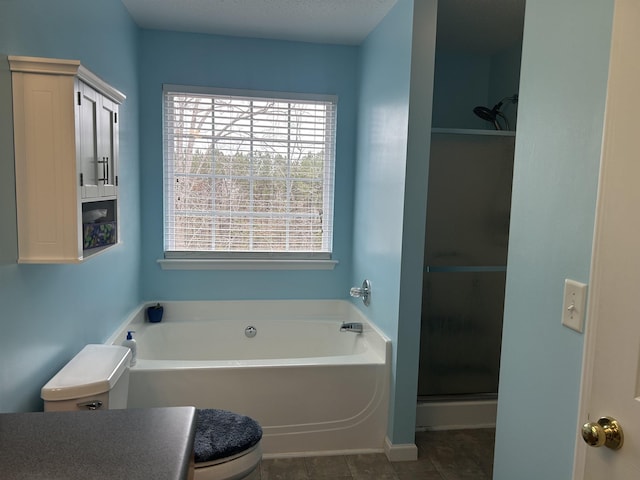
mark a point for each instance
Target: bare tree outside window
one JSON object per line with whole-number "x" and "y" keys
{"x": 248, "y": 173}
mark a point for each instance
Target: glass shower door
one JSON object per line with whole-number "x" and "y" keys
{"x": 468, "y": 210}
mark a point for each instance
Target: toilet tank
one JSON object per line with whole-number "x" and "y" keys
{"x": 96, "y": 378}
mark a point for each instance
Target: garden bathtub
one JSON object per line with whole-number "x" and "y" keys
{"x": 313, "y": 388}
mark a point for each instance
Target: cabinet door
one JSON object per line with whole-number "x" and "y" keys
{"x": 87, "y": 138}
{"x": 107, "y": 146}
{"x": 46, "y": 181}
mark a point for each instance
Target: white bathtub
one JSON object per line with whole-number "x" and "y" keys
{"x": 314, "y": 389}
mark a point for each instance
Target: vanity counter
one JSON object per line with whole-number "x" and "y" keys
{"x": 132, "y": 444}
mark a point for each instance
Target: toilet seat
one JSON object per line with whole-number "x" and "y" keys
{"x": 226, "y": 446}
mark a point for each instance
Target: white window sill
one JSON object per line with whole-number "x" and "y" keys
{"x": 245, "y": 264}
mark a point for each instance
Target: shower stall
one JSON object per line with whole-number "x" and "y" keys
{"x": 475, "y": 101}
{"x": 469, "y": 198}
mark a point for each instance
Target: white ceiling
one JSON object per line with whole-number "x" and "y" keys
{"x": 345, "y": 22}
{"x": 481, "y": 26}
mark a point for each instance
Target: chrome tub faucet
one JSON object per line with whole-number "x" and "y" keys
{"x": 355, "y": 327}
{"x": 363, "y": 292}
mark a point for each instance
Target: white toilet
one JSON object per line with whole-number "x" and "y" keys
{"x": 98, "y": 378}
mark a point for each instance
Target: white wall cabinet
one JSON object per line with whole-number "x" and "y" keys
{"x": 66, "y": 156}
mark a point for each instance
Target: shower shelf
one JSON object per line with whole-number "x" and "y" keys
{"x": 469, "y": 131}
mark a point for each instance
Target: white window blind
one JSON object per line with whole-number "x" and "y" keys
{"x": 248, "y": 172}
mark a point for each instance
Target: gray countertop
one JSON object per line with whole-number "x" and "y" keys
{"x": 131, "y": 444}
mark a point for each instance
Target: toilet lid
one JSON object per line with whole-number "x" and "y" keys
{"x": 220, "y": 434}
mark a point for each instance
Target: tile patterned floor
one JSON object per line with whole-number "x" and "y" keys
{"x": 442, "y": 455}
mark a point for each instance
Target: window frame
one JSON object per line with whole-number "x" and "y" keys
{"x": 242, "y": 260}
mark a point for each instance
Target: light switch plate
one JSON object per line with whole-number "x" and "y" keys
{"x": 574, "y": 305}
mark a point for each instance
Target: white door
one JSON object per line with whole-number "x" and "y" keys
{"x": 611, "y": 380}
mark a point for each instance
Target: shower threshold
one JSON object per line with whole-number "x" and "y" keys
{"x": 457, "y": 397}
{"x": 454, "y": 412}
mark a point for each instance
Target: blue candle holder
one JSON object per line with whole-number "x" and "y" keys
{"x": 154, "y": 313}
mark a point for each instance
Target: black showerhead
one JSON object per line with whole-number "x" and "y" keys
{"x": 485, "y": 113}
{"x": 491, "y": 115}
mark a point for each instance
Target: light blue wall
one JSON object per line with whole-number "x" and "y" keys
{"x": 190, "y": 59}
{"x": 50, "y": 312}
{"x": 382, "y": 153}
{"x": 562, "y": 97}
{"x": 391, "y": 190}
{"x": 414, "y": 219}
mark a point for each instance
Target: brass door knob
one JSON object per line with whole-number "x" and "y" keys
{"x": 606, "y": 431}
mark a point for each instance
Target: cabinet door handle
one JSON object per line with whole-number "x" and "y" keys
{"x": 104, "y": 178}
{"x": 107, "y": 165}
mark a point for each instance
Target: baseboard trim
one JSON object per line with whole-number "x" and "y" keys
{"x": 403, "y": 452}
{"x": 456, "y": 415}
